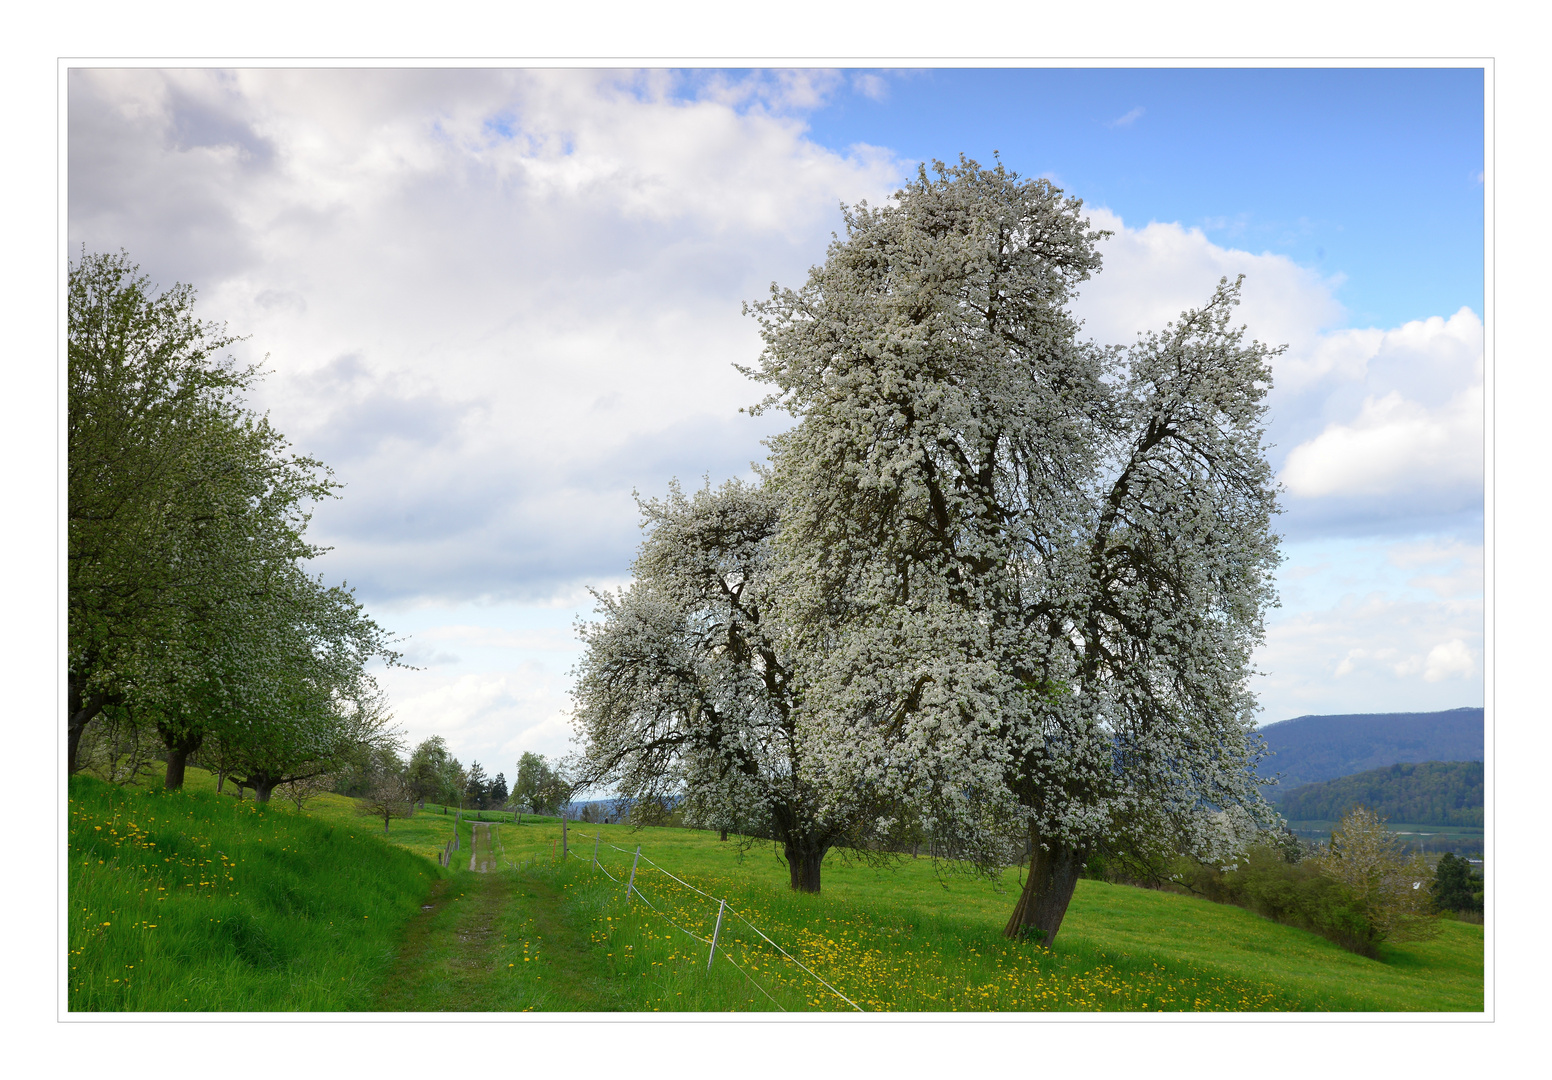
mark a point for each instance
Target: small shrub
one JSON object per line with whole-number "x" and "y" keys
{"x": 1294, "y": 894}
{"x": 1366, "y": 857}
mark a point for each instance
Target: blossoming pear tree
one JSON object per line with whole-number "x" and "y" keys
{"x": 684, "y": 694}
{"x": 1018, "y": 576}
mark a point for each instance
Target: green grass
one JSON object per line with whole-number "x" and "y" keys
{"x": 183, "y": 901}
{"x": 902, "y": 938}
{"x": 190, "y": 901}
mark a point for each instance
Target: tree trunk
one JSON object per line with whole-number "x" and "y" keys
{"x": 179, "y": 746}
{"x": 803, "y": 864}
{"x": 723, "y": 836}
{"x": 1053, "y": 875}
{"x": 73, "y": 736}
{"x": 82, "y": 711}
{"x": 262, "y": 787}
{"x": 177, "y": 760}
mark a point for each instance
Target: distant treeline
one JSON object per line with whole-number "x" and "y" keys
{"x": 1424, "y": 793}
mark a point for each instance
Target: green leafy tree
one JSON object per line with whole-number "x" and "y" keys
{"x": 189, "y": 608}
{"x": 538, "y": 786}
{"x": 476, "y": 787}
{"x": 147, "y": 386}
{"x": 1455, "y": 886}
{"x": 451, "y": 778}
{"x": 190, "y": 612}
{"x": 427, "y": 765}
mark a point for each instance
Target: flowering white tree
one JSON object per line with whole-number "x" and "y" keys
{"x": 683, "y": 692}
{"x": 1018, "y": 576}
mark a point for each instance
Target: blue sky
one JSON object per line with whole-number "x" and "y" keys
{"x": 496, "y": 302}
{"x": 1374, "y": 174}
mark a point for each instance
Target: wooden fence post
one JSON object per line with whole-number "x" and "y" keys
{"x": 597, "y": 838}
{"x": 631, "y": 884}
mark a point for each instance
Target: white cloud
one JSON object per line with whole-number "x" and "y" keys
{"x": 1153, "y": 273}
{"x": 871, "y": 86}
{"x": 1452, "y": 659}
{"x": 1129, "y": 118}
{"x": 547, "y": 639}
{"x": 1451, "y": 570}
{"x": 1418, "y": 429}
{"x": 495, "y": 301}
{"x": 486, "y": 716}
{"x": 1394, "y": 445}
{"x": 1369, "y": 627}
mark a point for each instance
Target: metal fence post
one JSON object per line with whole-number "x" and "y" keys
{"x": 631, "y": 884}
{"x": 714, "y": 933}
{"x": 597, "y": 838}
{"x": 563, "y": 847}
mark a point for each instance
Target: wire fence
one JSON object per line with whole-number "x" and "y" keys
{"x": 452, "y": 843}
{"x": 723, "y": 907}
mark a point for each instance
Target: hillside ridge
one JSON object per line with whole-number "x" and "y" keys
{"x": 1314, "y": 748}
{"x": 1424, "y": 793}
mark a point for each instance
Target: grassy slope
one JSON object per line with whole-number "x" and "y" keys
{"x": 545, "y": 936}
{"x": 191, "y": 901}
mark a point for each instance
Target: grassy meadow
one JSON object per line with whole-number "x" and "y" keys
{"x": 905, "y": 938}
{"x": 190, "y": 901}
{"x": 194, "y": 901}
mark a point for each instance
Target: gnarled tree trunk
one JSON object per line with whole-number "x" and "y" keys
{"x": 82, "y": 711}
{"x": 1053, "y": 875}
{"x": 803, "y": 863}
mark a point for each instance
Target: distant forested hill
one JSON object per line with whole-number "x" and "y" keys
{"x": 1427, "y": 793}
{"x": 1309, "y": 749}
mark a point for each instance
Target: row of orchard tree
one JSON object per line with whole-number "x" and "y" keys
{"x": 194, "y": 624}
{"x": 433, "y": 774}
{"x": 387, "y": 786}
{"x": 196, "y": 633}
{"x": 996, "y": 586}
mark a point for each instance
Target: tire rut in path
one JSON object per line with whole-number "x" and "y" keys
{"x": 483, "y": 857}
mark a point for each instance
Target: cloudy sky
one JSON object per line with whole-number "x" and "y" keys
{"x": 496, "y": 302}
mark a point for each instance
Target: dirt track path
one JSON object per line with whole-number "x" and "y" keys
{"x": 483, "y": 855}
{"x": 501, "y": 940}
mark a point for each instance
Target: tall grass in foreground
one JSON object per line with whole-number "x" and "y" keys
{"x": 193, "y": 901}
